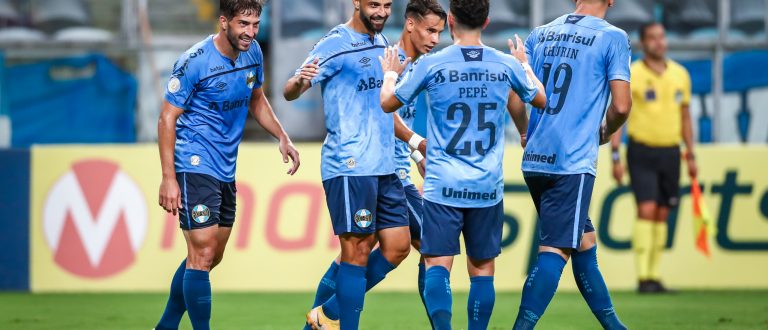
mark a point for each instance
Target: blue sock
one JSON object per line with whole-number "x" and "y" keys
{"x": 175, "y": 307}
{"x": 350, "y": 292}
{"x": 197, "y": 296}
{"x": 377, "y": 269}
{"x": 482, "y": 295}
{"x": 326, "y": 289}
{"x": 539, "y": 288}
{"x": 422, "y": 271}
{"x": 437, "y": 294}
{"x": 593, "y": 289}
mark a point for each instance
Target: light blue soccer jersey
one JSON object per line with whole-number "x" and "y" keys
{"x": 214, "y": 92}
{"x": 360, "y": 138}
{"x": 402, "y": 150}
{"x": 468, "y": 90}
{"x": 575, "y": 57}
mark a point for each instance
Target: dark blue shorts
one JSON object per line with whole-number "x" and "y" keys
{"x": 415, "y": 210}
{"x": 365, "y": 204}
{"x": 563, "y": 205}
{"x": 205, "y": 201}
{"x": 481, "y": 227}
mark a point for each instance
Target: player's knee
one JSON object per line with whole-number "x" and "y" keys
{"x": 202, "y": 258}
{"x": 397, "y": 254}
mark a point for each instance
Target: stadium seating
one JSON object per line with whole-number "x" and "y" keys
{"x": 630, "y": 15}
{"x": 508, "y": 17}
{"x": 556, "y": 8}
{"x": 302, "y": 18}
{"x": 9, "y": 15}
{"x": 694, "y": 18}
{"x": 748, "y": 16}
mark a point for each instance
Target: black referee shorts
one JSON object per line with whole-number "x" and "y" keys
{"x": 654, "y": 173}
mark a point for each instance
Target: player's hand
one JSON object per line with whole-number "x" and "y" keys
{"x": 618, "y": 172}
{"x": 170, "y": 195}
{"x": 693, "y": 170}
{"x": 289, "y": 152}
{"x": 422, "y": 166}
{"x": 391, "y": 61}
{"x": 518, "y": 50}
{"x": 309, "y": 71}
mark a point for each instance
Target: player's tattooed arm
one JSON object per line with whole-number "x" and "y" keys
{"x": 516, "y": 109}
{"x": 618, "y": 111}
{"x": 300, "y": 83}
{"x": 170, "y": 195}
{"x": 392, "y": 68}
{"x": 518, "y": 50}
{"x": 265, "y": 116}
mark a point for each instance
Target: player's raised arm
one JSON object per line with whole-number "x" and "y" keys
{"x": 519, "y": 51}
{"x": 392, "y": 68}
{"x": 302, "y": 81}
{"x": 516, "y": 109}
{"x": 170, "y": 195}
{"x": 265, "y": 116}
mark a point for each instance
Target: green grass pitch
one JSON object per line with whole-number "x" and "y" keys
{"x": 684, "y": 310}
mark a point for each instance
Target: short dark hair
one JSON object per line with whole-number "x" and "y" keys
{"x": 645, "y": 27}
{"x": 230, "y": 8}
{"x": 470, "y": 13}
{"x": 417, "y": 9}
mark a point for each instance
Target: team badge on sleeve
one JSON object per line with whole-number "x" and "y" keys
{"x": 174, "y": 85}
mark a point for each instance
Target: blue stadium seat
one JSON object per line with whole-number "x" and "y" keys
{"x": 302, "y": 18}
{"x": 748, "y": 16}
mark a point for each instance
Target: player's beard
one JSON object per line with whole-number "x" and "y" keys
{"x": 369, "y": 25}
{"x": 234, "y": 41}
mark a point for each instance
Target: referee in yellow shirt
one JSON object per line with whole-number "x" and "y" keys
{"x": 660, "y": 119}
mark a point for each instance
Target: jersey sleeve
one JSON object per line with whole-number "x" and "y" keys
{"x": 330, "y": 64}
{"x": 521, "y": 83}
{"x": 530, "y": 43}
{"x": 181, "y": 85}
{"x": 412, "y": 82}
{"x": 619, "y": 56}
{"x": 258, "y": 56}
{"x": 686, "y": 86}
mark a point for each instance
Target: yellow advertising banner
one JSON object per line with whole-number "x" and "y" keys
{"x": 96, "y": 224}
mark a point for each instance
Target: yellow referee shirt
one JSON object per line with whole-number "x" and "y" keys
{"x": 655, "y": 119}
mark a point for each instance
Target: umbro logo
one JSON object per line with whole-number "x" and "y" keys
{"x": 365, "y": 60}
{"x": 221, "y": 85}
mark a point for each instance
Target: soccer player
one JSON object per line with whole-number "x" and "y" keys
{"x": 424, "y": 21}
{"x": 364, "y": 196}
{"x": 213, "y": 87}
{"x": 468, "y": 86}
{"x": 582, "y": 60}
{"x": 661, "y": 118}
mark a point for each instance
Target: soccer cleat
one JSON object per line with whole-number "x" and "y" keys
{"x": 318, "y": 321}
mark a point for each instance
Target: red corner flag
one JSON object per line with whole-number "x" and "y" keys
{"x": 703, "y": 227}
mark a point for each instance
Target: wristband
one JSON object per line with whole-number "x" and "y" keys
{"x": 417, "y": 156}
{"x": 615, "y": 156}
{"x": 527, "y": 66}
{"x": 415, "y": 141}
{"x": 391, "y": 74}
